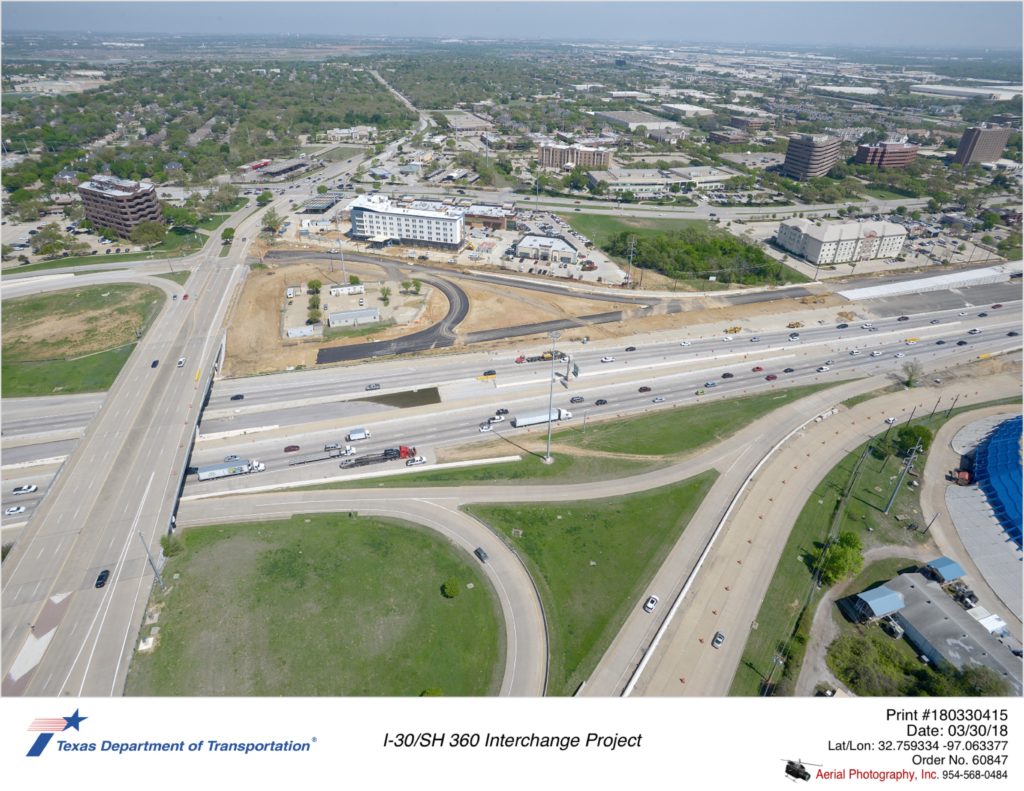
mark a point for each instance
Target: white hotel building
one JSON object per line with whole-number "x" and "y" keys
{"x": 377, "y": 219}
{"x": 841, "y": 243}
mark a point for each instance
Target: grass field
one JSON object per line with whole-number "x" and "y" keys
{"x": 179, "y": 242}
{"x": 213, "y": 222}
{"x": 599, "y": 228}
{"x": 592, "y": 562}
{"x": 321, "y": 605}
{"x": 335, "y": 154}
{"x": 333, "y": 333}
{"x": 224, "y": 251}
{"x": 849, "y": 403}
{"x": 883, "y": 194}
{"x": 679, "y": 430}
{"x": 785, "y": 616}
{"x": 178, "y": 277}
{"x": 73, "y": 341}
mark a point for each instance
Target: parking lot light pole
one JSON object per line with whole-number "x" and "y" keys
{"x": 551, "y": 393}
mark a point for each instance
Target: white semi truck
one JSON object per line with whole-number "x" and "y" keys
{"x": 536, "y": 418}
{"x": 225, "y": 469}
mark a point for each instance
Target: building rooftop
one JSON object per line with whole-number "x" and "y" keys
{"x": 947, "y": 568}
{"x": 881, "y": 601}
{"x": 550, "y": 242}
{"x": 836, "y": 232}
{"x": 111, "y": 185}
{"x": 426, "y": 209}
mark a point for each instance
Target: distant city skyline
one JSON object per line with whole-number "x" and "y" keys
{"x": 826, "y": 24}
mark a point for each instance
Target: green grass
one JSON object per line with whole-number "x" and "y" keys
{"x": 333, "y": 333}
{"x": 566, "y": 468}
{"x": 179, "y": 242}
{"x": 321, "y": 605}
{"x": 599, "y": 228}
{"x": 224, "y": 251}
{"x": 178, "y": 277}
{"x": 213, "y": 222}
{"x": 883, "y": 194}
{"x": 592, "y": 562}
{"x": 679, "y": 430}
{"x": 92, "y": 374}
{"x": 784, "y": 619}
{"x": 336, "y": 154}
{"x": 850, "y": 403}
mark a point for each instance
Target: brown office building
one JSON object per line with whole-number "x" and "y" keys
{"x": 810, "y": 156}
{"x": 118, "y": 203}
{"x": 728, "y": 135}
{"x": 582, "y": 156}
{"x": 749, "y": 123}
{"x": 982, "y": 144}
{"x": 890, "y": 154}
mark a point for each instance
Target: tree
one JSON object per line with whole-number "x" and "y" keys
{"x": 180, "y": 216}
{"x": 171, "y": 546}
{"x": 451, "y": 588}
{"x": 6, "y": 251}
{"x": 417, "y": 285}
{"x": 353, "y": 280}
{"x": 911, "y": 372}
{"x": 406, "y": 285}
{"x": 385, "y": 294}
{"x": 264, "y": 198}
{"x": 908, "y": 437}
{"x": 149, "y": 233}
{"x": 227, "y": 235}
{"x": 314, "y": 316}
{"x": 321, "y": 189}
{"x": 989, "y": 220}
{"x": 314, "y": 286}
{"x": 272, "y": 221}
{"x": 840, "y": 559}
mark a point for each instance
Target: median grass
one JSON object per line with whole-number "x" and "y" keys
{"x": 178, "y": 277}
{"x": 321, "y": 605}
{"x": 679, "y": 430}
{"x": 784, "y": 620}
{"x": 178, "y": 242}
{"x": 73, "y": 341}
{"x": 592, "y": 562}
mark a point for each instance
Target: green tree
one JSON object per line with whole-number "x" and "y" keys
{"x": 909, "y": 436}
{"x": 314, "y": 315}
{"x": 353, "y": 280}
{"x": 314, "y": 286}
{"x": 149, "y": 233}
{"x": 180, "y": 216}
{"x": 406, "y": 285}
{"x": 417, "y": 286}
{"x": 264, "y": 198}
{"x": 227, "y": 235}
{"x": 321, "y": 189}
{"x": 840, "y": 559}
{"x": 272, "y": 221}
{"x": 912, "y": 371}
{"x": 171, "y": 545}
{"x": 451, "y": 588}
{"x": 385, "y": 294}
{"x": 989, "y": 220}
{"x": 6, "y": 251}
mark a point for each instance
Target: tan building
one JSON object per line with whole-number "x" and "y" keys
{"x": 810, "y": 156}
{"x": 982, "y": 144}
{"x": 120, "y": 204}
{"x": 553, "y": 156}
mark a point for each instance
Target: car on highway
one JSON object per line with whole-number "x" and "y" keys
{"x": 490, "y": 372}
{"x": 415, "y": 461}
{"x": 940, "y": 342}
{"x": 644, "y": 389}
{"x": 823, "y": 368}
{"x": 727, "y": 375}
{"x": 232, "y": 457}
{"x": 997, "y": 306}
{"x": 771, "y": 377}
{"x": 485, "y": 427}
{"x": 238, "y": 397}
{"x": 854, "y": 352}
{"x": 501, "y": 411}
{"x": 102, "y": 577}
{"x": 184, "y": 298}
{"x": 181, "y": 362}
{"x": 684, "y": 343}
{"x": 651, "y": 603}
{"x": 842, "y": 326}
{"x": 935, "y": 321}
{"x": 710, "y": 383}
{"x": 373, "y": 386}
{"x": 876, "y": 353}
{"x": 607, "y": 359}
{"x": 890, "y": 420}
{"x": 479, "y": 552}
{"x": 899, "y": 354}
{"x": 698, "y": 392}
{"x": 982, "y": 315}
{"x": 14, "y": 510}
{"x": 496, "y": 419}
{"x": 757, "y": 369}
{"x": 290, "y": 448}
{"x": 1012, "y": 334}
{"x": 658, "y": 400}
{"x": 631, "y": 348}
{"x": 576, "y": 400}
{"x": 756, "y": 339}
{"x": 903, "y": 318}
{"x": 794, "y": 336}
{"x": 154, "y": 364}
{"x": 911, "y": 341}
{"x": 600, "y": 402}
{"x": 788, "y": 370}
{"x": 961, "y": 343}
{"x": 718, "y": 640}
{"x": 727, "y": 337}
{"x": 974, "y": 331}
{"x": 28, "y": 488}
{"x": 962, "y": 313}
{"x": 867, "y": 325}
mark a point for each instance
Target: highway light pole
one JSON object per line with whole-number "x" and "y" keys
{"x": 554, "y": 334}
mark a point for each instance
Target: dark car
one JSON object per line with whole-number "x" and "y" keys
{"x": 644, "y": 389}
{"x": 757, "y": 369}
{"x": 237, "y": 397}
{"x": 842, "y": 326}
{"x": 961, "y": 343}
{"x": 185, "y": 297}
{"x": 727, "y": 375}
{"x": 982, "y": 315}
{"x": 940, "y": 342}
{"x": 501, "y": 411}
{"x": 490, "y": 372}
{"x": 935, "y": 321}
{"x": 771, "y": 377}
{"x": 576, "y": 400}
{"x": 903, "y": 318}
{"x": 101, "y": 580}
{"x": 1012, "y": 334}
{"x": 600, "y": 402}
{"x": 479, "y": 552}
{"x": 291, "y": 448}
{"x": 787, "y": 370}
{"x": 154, "y": 364}
{"x": 631, "y": 348}
{"x": 997, "y": 306}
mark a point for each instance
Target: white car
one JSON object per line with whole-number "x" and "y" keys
{"x": 962, "y": 313}
{"x": 651, "y": 603}
{"x": 14, "y": 509}
{"x": 974, "y": 331}
{"x": 755, "y": 339}
{"x": 876, "y": 353}
{"x": 684, "y": 343}
{"x": 415, "y": 461}
{"x": 899, "y": 354}
{"x": 28, "y": 488}
{"x": 181, "y": 362}
{"x": 823, "y": 368}
{"x": 727, "y": 337}
{"x": 890, "y": 420}
{"x": 485, "y": 427}
{"x": 867, "y": 325}
{"x": 854, "y": 352}
{"x": 607, "y": 359}
{"x": 496, "y": 419}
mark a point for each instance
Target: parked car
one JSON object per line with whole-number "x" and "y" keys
{"x": 291, "y": 448}
{"x": 102, "y": 578}
{"x": 28, "y": 488}
{"x": 651, "y": 603}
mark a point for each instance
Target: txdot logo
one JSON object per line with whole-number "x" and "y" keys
{"x": 50, "y": 726}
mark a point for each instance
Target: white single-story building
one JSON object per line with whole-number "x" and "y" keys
{"x": 547, "y": 248}
{"x": 350, "y": 318}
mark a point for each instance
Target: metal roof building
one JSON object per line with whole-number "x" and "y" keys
{"x": 946, "y": 569}
{"x": 997, "y": 468}
{"x": 879, "y": 602}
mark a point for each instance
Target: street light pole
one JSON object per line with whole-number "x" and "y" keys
{"x": 554, "y": 334}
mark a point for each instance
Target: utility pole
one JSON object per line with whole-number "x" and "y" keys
{"x": 955, "y": 399}
{"x": 935, "y": 407}
{"x": 554, "y": 334}
{"x": 159, "y": 579}
{"x": 632, "y": 250}
{"x": 906, "y": 468}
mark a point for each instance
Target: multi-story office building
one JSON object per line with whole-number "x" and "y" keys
{"x": 375, "y": 218}
{"x": 809, "y": 156}
{"x": 555, "y": 156}
{"x": 119, "y": 204}
{"x": 728, "y": 135}
{"x": 889, "y": 154}
{"x": 982, "y": 144}
{"x": 749, "y": 123}
{"x": 841, "y": 243}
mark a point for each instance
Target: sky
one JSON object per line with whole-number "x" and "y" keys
{"x": 932, "y": 25}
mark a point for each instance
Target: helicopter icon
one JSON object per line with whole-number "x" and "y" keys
{"x": 796, "y": 770}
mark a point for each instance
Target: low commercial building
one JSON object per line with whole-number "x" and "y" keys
{"x": 322, "y": 203}
{"x": 547, "y": 248}
{"x": 728, "y": 135}
{"x": 375, "y": 218}
{"x": 350, "y": 318}
{"x": 66, "y": 177}
{"x": 277, "y": 170}
{"x": 631, "y": 120}
{"x": 686, "y": 110}
{"x": 461, "y": 121}
{"x": 556, "y": 156}
{"x": 749, "y": 123}
{"x": 120, "y": 204}
{"x": 354, "y": 134}
{"x": 841, "y": 243}
{"x": 336, "y": 290}
{"x": 890, "y": 154}
{"x": 649, "y": 183}
{"x": 491, "y": 215}
{"x": 992, "y": 93}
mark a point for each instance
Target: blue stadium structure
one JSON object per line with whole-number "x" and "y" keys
{"x": 997, "y": 468}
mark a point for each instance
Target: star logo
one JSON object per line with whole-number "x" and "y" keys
{"x": 47, "y": 726}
